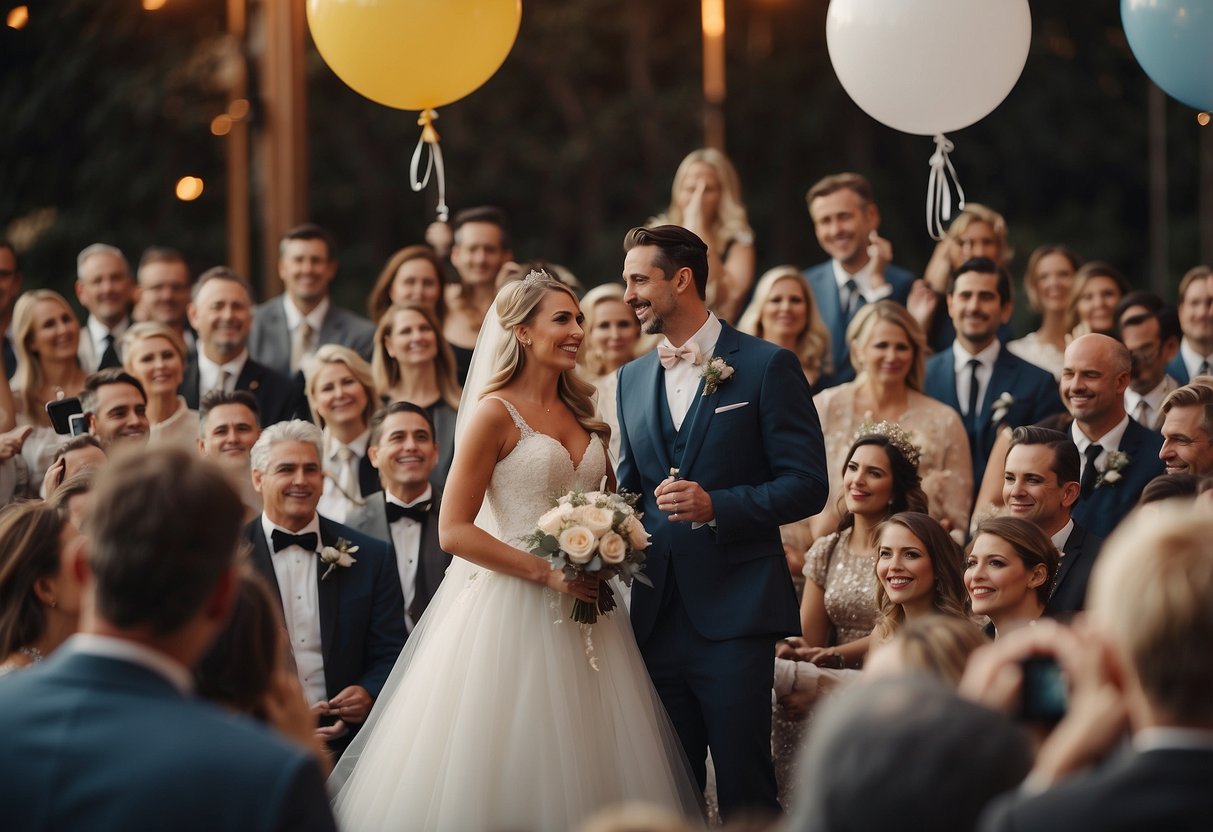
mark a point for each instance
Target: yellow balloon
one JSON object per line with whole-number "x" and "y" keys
{"x": 414, "y": 54}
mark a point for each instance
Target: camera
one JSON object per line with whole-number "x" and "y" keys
{"x": 1044, "y": 694}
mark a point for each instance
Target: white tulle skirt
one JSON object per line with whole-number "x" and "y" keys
{"x": 495, "y": 719}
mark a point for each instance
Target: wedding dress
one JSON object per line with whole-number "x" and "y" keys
{"x": 502, "y": 713}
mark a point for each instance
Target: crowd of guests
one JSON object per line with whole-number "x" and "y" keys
{"x": 974, "y": 475}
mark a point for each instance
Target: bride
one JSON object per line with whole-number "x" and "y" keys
{"x": 494, "y": 717}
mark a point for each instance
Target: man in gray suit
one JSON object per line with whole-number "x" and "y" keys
{"x": 287, "y": 330}
{"x": 405, "y": 514}
{"x": 105, "y": 735}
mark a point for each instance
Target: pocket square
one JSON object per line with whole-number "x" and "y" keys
{"x": 727, "y": 407}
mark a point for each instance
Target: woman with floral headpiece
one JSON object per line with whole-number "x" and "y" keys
{"x": 888, "y": 351}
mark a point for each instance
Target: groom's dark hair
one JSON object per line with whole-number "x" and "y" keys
{"x": 677, "y": 249}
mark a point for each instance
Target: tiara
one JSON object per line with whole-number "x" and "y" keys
{"x": 899, "y": 438}
{"x": 536, "y": 276}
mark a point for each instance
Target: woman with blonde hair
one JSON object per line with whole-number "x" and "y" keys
{"x": 46, "y": 338}
{"x": 497, "y": 634}
{"x": 341, "y": 393}
{"x": 888, "y": 352}
{"x": 613, "y": 338}
{"x": 1049, "y": 283}
{"x": 414, "y": 274}
{"x": 706, "y": 199}
{"x": 154, "y": 353}
{"x": 784, "y": 312}
{"x": 412, "y": 362}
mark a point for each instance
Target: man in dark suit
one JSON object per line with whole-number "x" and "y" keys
{"x": 1119, "y": 456}
{"x": 339, "y": 591}
{"x": 1142, "y": 662}
{"x": 405, "y": 513}
{"x": 1150, "y": 332}
{"x": 1195, "y": 356}
{"x": 983, "y": 381}
{"x": 221, "y": 314}
{"x": 719, "y": 436}
{"x": 105, "y": 288}
{"x": 860, "y": 268}
{"x": 105, "y": 734}
{"x": 1041, "y": 485}
{"x": 287, "y": 330}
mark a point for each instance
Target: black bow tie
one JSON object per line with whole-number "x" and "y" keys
{"x": 282, "y": 539}
{"x": 418, "y": 512}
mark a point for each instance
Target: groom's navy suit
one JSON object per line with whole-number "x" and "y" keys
{"x": 722, "y": 595}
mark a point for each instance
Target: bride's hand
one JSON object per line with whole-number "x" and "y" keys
{"x": 585, "y": 589}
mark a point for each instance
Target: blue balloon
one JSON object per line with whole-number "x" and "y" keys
{"x": 1173, "y": 42}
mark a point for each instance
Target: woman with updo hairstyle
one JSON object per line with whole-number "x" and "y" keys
{"x": 784, "y": 312}
{"x": 1048, "y": 282}
{"x": 39, "y": 588}
{"x": 1010, "y": 567}
{"x": 706, "y": 200}
{"x": 154, "y": 353}
{"x": 412, "y": 362}
{"x": 889, "y": 355}
{"x": 1098, "y": 287}
{"x": 414, "y": 274}
{"x": 341, "y": 393}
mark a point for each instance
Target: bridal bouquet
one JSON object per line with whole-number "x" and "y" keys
{"x": 593, "y": 534}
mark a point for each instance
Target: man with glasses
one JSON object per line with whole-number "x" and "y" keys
{"x": 1150, "y": 331}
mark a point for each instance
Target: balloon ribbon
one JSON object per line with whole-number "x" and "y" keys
{"x": 429, "y": 138}
{"x": 939, "y": 195}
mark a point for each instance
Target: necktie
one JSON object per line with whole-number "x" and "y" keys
{"x": 109, "y": 358}
{"x": 301, "y": 345}
{"x": 670, "y": 356}
{"x": 221, "y": 382}
{"x": 1142, "y": 415}
{"x": 282, "y": 539}
{"x": 347, "y": 472}
{"x": 974, "y": 364}
{"x": 1203, "y": 369}
{"x": 1087, "y": 483}
{"x": 852, "y": 299}
{"x": 417, "y": 512}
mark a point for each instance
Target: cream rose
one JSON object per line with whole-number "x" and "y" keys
{"x": 612, "y": 548}
{"x": 637, "y": 536}
{"x": 551, "y": 521}
{"x": 578, "y": 543}
{"x": 597, "y": 520}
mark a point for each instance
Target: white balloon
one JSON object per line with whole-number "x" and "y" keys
{"x": 928, "y": 66}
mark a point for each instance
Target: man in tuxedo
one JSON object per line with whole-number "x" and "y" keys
{"x": 344, "y": 613}
{"x": 719, "y": 437}
{"x": 1142, "y": 662}
{"x": 228, "y": 427}
{"x": 1119, "y": 456}
{"x": 983, "y": 381}
{"x": 162, "y": 291}
{"x": 105, "y": 733}
{"x": 1150, "y": 332}
{"x": 1041, "y": 485}
{"x": 287, "y": 330}
{"x": 860, "y": 269}
{"x": 10, "y": 290}
{"x": 1187, "y": 430}
{"x": 1195, "y": 356}
{"x": 404, "y": 450}
{"x": 221, "y": 314}
{"x": 115, "y": 406}
{"x": 106, "y": 290}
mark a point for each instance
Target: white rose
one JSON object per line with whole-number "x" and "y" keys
{"x": 551, "y": 521}
{"x": 1111, "y": 477}
{"x": 597, "y": 520}
{"x": 612, "y": 548}
{"x": 578, "y": 543}
{"x": 591, "y": 497}
{"x": 726, "y": 372}
{"x": 637, "y": 536}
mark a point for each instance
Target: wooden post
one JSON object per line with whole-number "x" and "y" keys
{"x": 239, "y": 221}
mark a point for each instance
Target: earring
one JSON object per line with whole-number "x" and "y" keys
{"x": 54, "y": 604}
{"x": 527, "y": 342}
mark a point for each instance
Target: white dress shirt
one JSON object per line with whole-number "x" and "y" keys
{"x": 298, "y": 584}
{"x": 333, "y": 503}
{"x": 985, "y": 372}
{"x": 1192, "y": 359}
{"x": 96, "y": 336}
{"x": 1153, "y": 401}
{"x": 682, "y": 380}
{"x": 406, "y": 539}
{"x": 208, "y": 372}
{"x": 863, "y": 279}
{"x": 163, "y": 665}
{"x": 1063, "y": 537}
{"x": 1110, "y": 441}
{"x": 315, "y": 318}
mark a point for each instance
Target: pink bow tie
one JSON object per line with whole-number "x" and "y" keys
{"x": 670, "y": 356}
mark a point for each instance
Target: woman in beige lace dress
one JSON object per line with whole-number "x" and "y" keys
{"x": 887, "y": 349}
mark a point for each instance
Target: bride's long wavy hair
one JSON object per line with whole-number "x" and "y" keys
{"x": 517, "y": 306}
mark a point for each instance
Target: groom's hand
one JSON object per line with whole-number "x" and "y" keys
{"x": 685, "y": 501}
{"x": 351, "y": 705}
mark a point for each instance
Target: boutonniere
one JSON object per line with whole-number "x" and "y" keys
{"x": 715, "y": 372}
{"x": 338, "y": 555}
{"x": 1114, "y": 463}
{"x": 1001, "y": 406}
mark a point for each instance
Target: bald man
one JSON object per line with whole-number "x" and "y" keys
{"x": 1119, "y": 456}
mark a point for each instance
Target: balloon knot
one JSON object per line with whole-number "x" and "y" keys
{"x": 426, "y": 121}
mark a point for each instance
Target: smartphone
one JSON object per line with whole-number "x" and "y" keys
{"x": 61, "y": 411}
{"x": 1044, "y": 696}
{"x": 77, "y": 424}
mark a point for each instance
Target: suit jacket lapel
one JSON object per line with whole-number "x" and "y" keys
{"x": 262, "y": 561}
{"x": 329, "y": 594}
{"x": 726, "y": 346}
{"x": 947, "y": 378}
{"x": 1073, "y": 552}
{"x": 190, "y": 383}
{"x": 1003, "y": 378}
{"x": 652, "y": 378}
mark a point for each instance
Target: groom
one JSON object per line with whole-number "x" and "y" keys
{"x": 719, "y": 435}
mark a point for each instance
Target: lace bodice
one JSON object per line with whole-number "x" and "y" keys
{"x": 527, "y": 482}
